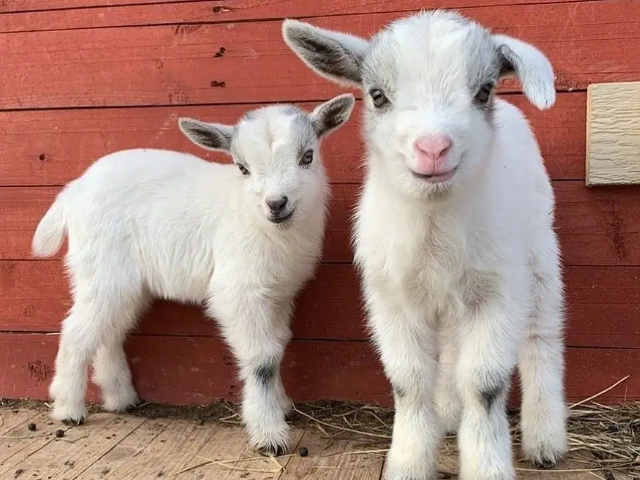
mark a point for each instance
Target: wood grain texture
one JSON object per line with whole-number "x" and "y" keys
{"x": 596, "y": 226}
{"x": 613, "y": 134}
{"x": 22, "y": 207}
{"x": 229, "y": 444}
{"x": 60, "y": 15}
{"x": 312, "y": 370}
{"x": 65, "y": 457}
{"x": 176, "y": 65}
{"x": 53, "y": 147}
{"x": 14, "y": 449}
{"x": 164, "y": 456}
{"x": 327, "y": 462}
{"x": 603, "y": 305}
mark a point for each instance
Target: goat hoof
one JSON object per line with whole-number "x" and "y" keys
{"x": 544, "y": 463}
{"x": 272, "y": 450}
{"x": 73, "y": 422}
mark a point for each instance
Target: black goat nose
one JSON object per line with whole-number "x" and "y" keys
{"x": 277, "y": 205}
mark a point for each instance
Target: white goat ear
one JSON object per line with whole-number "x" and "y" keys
{"x": 212, "y": 136}
{"x": 332, "y": 114}
{"x": 334, "y": 55}
{"x": 532, "y": 68}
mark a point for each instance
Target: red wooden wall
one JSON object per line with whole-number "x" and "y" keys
{"x": 81, "y": 81}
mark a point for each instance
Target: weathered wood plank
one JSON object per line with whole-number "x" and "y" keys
{"x": 16, "y": 419}
{"x": 20, "y": 442}
{"x": 312, "y": 370}
{"x": 229, "y": 444}
{"x": 158, "y": 13}
{"x": 22, "y": 208}
{"x": 132, "y": 448}
{"x": 53, "y": 147}
{"x": 327, "y": 460}
{"x": 603, "y": 303}
{"x": 613, "y": 134}
{"x": 64, "y": 14}
{"x": 168, "y": 65}
{"x": 80, "y": 448}
{"x": 164, "y": 456}
{"x": 595, "y": 226}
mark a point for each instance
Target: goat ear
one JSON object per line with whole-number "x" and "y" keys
{"x": 332, "y": 114}
{"x": 334, "y": 55}
{"x": 532, "y": 68}
{"x": 212, "y": 136}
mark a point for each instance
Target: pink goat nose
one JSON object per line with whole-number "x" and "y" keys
{"x": 431, "y": 153}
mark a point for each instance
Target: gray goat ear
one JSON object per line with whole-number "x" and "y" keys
{"x": 212, "y": 136}
{"x": 334, "y": 55}
{"x": 332, "y": 114}
{"x": 532, "y": 68}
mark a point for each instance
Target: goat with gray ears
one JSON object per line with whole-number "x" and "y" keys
{"x": 241, "y": 239}
{"x": 454, "y": 238}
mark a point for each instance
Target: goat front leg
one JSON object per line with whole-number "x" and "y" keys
{"x": 448, "y": 401}
{"x": 258, "y": 332}
{"x": 407, "y": 346}
{"x": 489, "y": 341}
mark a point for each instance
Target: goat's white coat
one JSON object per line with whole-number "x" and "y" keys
{"x": 462, "y": 279}
{"x": 147, "y": 223}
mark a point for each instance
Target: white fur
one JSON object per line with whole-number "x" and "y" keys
{"x": 146, "y": 224}
{"x": 461, "y": 279}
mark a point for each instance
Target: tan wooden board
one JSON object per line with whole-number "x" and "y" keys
{"x": 19, "y": 443}
{"x": 613, "y": 134}
{"x": 81, "y": 447}
{"x": 117, "y": 463}
{"x": 233, "y": 459}
{"x": 12, "y": 418}
{"x": 127, "y": 447}
{"x": 330, "y": 459}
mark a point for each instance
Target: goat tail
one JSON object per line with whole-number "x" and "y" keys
{"x": 50, "y": 231}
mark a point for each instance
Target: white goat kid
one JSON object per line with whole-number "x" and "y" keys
{"x": 147, "y": 223}
{"x": 454, "y": 237}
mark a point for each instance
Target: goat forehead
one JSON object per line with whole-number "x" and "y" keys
{"x": 436, "y": 50}
{"x": 275, "y": 134}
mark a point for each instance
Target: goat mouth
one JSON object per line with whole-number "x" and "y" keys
{"x": 436, "y": 178}
{"x": 282, "y": 218}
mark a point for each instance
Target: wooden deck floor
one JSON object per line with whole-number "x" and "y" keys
{"x": 128, "y": 447}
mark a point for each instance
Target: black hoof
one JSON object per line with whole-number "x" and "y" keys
{"x": 130, "y": 407}
{"x": 544, "y": 463}
{"x": 272, "y": 450}
{"x": 73, "y": 422}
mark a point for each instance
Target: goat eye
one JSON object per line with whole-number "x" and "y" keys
{"x": 379, "y": 98}
{"x": 243, "y": 169}
{"x": 307, "y": 158}
{"x": 484, "y": 93}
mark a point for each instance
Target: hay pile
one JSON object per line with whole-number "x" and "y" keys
{"x": 605, "y": 439}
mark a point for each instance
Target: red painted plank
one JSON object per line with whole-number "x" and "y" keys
{"x": 52, "y": 147}
{"x": 21, "y": 208}
{"x": 596, "y": 226}
{"x": 135, "y": 13}
{"x": 200, "y": 370}
{"x": 8, "y": 6}
{"x": 603, "y": 305}
{"x": 169, "y": 65}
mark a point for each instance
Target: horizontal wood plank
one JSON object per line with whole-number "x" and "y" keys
{"x": 53, "y": 147}
{"x": 613, "y": 134}
{"x": 595, "y": 226}
{"x": 312, "y": 370}
{"x": 22, "y": 207}
{"x": 169, "y": 65}
{"x": 603, "y": 305}
{"x": 61, "y": 14}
